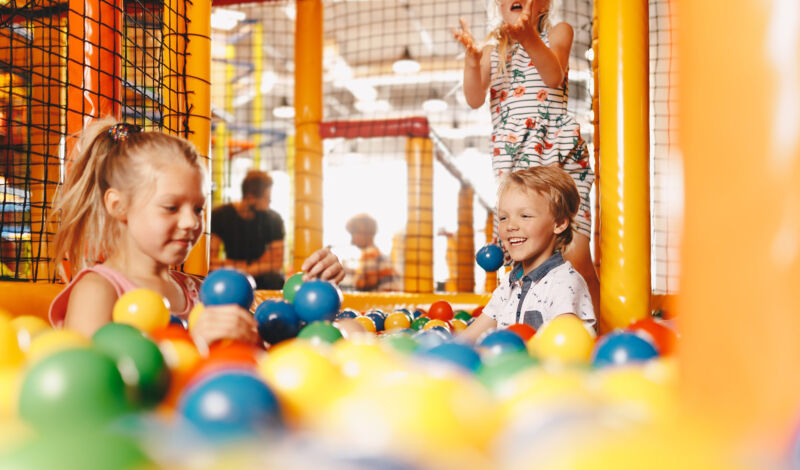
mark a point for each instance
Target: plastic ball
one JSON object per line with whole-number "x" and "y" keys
{"x": 346, "y": 313}
{"x": 657, "y": 332}
{"x": 138, "y": 359}
{"x": 477, "y": 312}
{"x": 428, "y": 339}
{"x": 10, "y": 352}
{"x": 227, "y": 286}
{"x": 291, "y": 285}
{"x": 28, "y": 326}
{"x": 401, "y": 342}
{"x": 459, "y": 354}
{"x": 49, "y": 342}
{"x": 174, "y": 320}
{"x": 440, "y": 310}
{"x": 379, "y": 319}
{"x": 622, "y": 347}
{"x": 366, "y": 322}
{"x": 458, "y": 325}
{"x": 90, "y": 391}
{"x": 490, "y": 257}
{"x": 231, "y": 404}
{"x": 419, "y": 323}
{"x": 319, "y": 332}
{"x": 498, "y": 342}
{"x": 396, "y": 321}
{"x": 436, "y": 323}
{"x": 463, "y": 315}
{"x": 563, "y": 339}
{"x": 317, "y": 300}
{"x": 277, "y": 321}
{"x": 495, "y": 371}
{"x": 145, "y": 309}
{"x": 194, "y": 314}
{"x": 523, "y": 330}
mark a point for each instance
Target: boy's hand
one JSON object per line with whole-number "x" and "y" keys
{"x": 225, "y": 322}
{"x": 323, "y": 264}
{"x": 465, "y": 37}
{"x": 521, "y": 28}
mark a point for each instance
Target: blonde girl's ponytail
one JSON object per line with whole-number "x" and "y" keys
{"x": 84, "y": 231}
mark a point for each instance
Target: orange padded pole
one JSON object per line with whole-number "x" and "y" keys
{"x": 308, "y": 143}
{"x": 465, "y": 242}
{"x": 738, "y": 301}
{"x": 491, "y": 277}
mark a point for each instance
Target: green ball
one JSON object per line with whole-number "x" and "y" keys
{"x": 291, "y": 285}
{"x": 401, "y": 342}
{"x": 139, "y": 361}
{"x": 77, "y": 451}
{"x": 496, "y": 370}
{"x": 417, "y": 324}
{"x": 462, "y": 315}
{"x": 73, "y": 388}
{"x": 320, "y": 332}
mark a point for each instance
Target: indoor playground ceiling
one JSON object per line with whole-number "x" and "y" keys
{"x": 363, "y": 41}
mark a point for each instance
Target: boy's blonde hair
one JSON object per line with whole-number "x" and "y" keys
{"x": 502, "y": 41}
{"x": 556, "y": 186}
{"x": 86, "y": 233}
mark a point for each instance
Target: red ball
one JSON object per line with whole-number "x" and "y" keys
{"x": 440, "y": 310}
{"x": 662, "y": 336}
{"x": 477, "y": 312}
{"x": 524, "y": 331}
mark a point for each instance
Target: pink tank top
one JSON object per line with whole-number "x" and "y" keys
{"x": 58, "y": 308}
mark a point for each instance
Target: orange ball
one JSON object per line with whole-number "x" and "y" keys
{"x": 657, "y": 332}
{"x": 440, "y": 310}
{"x": 524, "y": 331}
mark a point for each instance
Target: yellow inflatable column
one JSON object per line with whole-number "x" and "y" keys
{"x": 308, "y": 143}
{"x": 418, "y": 273}
{"x": 624, "y": 171}
{"x": 740, "y": 137}
{"x": 465, "y": 242}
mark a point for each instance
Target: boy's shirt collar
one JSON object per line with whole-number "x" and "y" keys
{"x": 554, "y": 261}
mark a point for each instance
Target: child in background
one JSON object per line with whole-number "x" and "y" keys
{"x": 523, "y": 65}
{"x": 535, "y": 207}
{"x": 130, "y": 207}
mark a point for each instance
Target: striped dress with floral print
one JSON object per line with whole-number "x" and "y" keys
{"x": 531, "y": 127}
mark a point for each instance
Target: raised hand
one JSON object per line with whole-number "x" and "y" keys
{"x": 465, "y": 37}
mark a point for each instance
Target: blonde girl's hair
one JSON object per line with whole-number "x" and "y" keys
{"x": 86, "y": 234}
{"x": 556, "y": 186}
{"x": 502, "y": 41}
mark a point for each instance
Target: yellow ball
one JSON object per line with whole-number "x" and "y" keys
{"x": 28, "y": 326}
{"x": 179, "y": 355}
{"x": 302, "y": 377}
{"x": 143, "y": 308}
{"x": 367, "y": 323}
{"x": 436, "y": 322}
{"x": 458, "y": 324}
{"x": 10, "y": 352}
{"x": 396, "y": 321}
{"x": 565, "y": 339}
{"x": 194, "y": 314}
{"x": 10, "y": 383}
{"x": 52, "y": 341}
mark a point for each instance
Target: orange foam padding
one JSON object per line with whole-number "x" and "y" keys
{"x": 27, "y": 298}
{"x": 409, "y": 127}
{"x": 388, "y": 301}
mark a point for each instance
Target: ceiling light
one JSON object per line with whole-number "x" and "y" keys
{"x": 434, "y": 105}
{"x": 284, "y": 111}
{"x": 406, "y": 65}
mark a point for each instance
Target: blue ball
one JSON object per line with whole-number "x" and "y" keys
{"x": 459, "y": 354}
{"x": 430, "y": 338}
{"x": 173, "y": 320}
{"x": 490, "y": 257}
{"x": 227, "y": 286}
{"x": 277, "y": 321}
{"x": 417, "y": 313}
{"x": 317, "y": 300}
{"x": 380, "y": 320}
{"x": 346, "y": 314}
{"x": 229, "y": 405}
{"x": 622, "y": 347}
{"x": 501, "y": 341}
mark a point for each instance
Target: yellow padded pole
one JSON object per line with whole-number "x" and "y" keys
{"x": 418, "y": 272}
{"x": 740, "y": 268}
{"x": 308, "y": 143}
{"x": 624, "y": 170}
{"x": 465, "y": 242}
{"x": 491, "y": 277}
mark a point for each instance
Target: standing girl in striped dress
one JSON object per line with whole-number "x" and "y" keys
{"x": 523, "y": 65}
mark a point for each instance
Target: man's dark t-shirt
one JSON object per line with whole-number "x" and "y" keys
{"x": 248, "y": 239}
